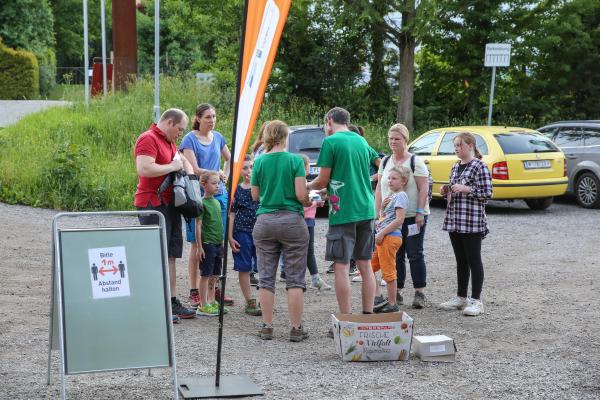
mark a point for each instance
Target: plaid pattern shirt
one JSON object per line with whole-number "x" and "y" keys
{"x": 466, "y": 211}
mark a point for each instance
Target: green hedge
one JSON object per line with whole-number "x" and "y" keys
{"x": 19, "y": 74}
{"x": 47, "y": 61}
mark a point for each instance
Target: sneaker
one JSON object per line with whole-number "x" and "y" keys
{"x": 383, "y": 283}
{"x": 388, "y": 308}
{"x": 331, "y": 268}
{"x": 195, "y": 299}
{"x": 455, "y": 303}
{"x": 321, "y": 284}
{"x": 353, "y": 269}
{"x": 282, "y": 277}
{"x": 207, "y": 310}
{"x": 473, "y": 308}
{"x": 179, "y": 310}
{"x": 175, "y": 319}
{"x": 379, "y": 303}
{"x": 298, "y": 334}
{"x": 399, "y": 298}
{"x": 419, "y": 300}
{"x": 253, "y": 308}
{"x": 253, "y": 280}
{"x": 228, "y": 301}
{"x": 216, "y": 305}
{"x": 266, "y": 332}
{"x": 357, "y": 278}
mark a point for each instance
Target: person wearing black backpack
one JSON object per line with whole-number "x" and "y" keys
{"x": 156, "y": 157}
{"x": 413, "y": 229}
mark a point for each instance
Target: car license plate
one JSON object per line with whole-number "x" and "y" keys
{"x": 535, "y": 164}
{"x": 314, "y": 170}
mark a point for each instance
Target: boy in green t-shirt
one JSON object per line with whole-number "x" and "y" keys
{"x": 209, "y": 238}
{"x": 344, "y": 160}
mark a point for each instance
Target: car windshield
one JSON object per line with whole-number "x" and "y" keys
{"x": 307, "y": 142}
{"x": 525, "y": 142}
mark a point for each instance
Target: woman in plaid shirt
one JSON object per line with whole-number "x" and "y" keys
{"x": 467, "y": 194}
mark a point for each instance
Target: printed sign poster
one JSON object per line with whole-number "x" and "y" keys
{"x": 108, "y": 272}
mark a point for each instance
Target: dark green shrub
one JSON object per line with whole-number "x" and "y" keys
{"x": 19, "y": 74}
{"x": 47, "y": 62}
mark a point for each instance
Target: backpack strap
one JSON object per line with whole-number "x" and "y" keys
{"x": 412, "y": 163}
{"x": 385, "y": 161}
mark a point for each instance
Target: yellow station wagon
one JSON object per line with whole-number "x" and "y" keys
{"x": 523, "y": 163}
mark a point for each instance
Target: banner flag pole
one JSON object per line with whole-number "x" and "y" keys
{"x": 263, "y": 22}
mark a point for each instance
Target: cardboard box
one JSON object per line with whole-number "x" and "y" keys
{"x": 373, "y": 337}
{"x": 438, "y": 348}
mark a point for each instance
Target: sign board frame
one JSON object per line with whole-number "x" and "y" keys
{"x": 497, "y": 55}
{"x": 72, "y": 302}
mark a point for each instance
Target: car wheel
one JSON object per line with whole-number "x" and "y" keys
{"x": 539, "y": 204}
{"x": 587, "y": 190}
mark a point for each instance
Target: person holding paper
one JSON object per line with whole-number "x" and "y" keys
{"x": 466, "y": 222}
{"x": 413, "y": 229}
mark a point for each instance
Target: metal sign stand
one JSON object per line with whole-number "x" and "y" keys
{"x": 496, "y": 55}
{"x": 56, "y": 341}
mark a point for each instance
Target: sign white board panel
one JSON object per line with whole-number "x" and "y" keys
{"x": 497, "y": 55}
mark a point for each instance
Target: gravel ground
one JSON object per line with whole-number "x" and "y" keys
{"x": 537, "y": 339}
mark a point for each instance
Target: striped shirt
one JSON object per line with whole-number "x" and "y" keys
{"x": 466, "y": 211}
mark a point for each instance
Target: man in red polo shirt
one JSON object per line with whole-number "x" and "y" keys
{"x": 156, "y": 156}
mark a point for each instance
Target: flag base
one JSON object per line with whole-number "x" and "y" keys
{"x": 229, "y": 386}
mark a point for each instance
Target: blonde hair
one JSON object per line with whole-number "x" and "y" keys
{"x": 276, "y": 132}
{"x": 402, "y": 171}
{"x": 207, "y": 174}
{"x": 305, "y": 159}
{"x": 401, "y": 129}
{"x": 469, "y": 138}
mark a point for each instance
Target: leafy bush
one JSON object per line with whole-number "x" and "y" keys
{"x": 19, "y": 75}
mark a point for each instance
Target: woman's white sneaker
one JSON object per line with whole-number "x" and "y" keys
{"x": 455, "y": 303}
{"x": 474, "y": 308}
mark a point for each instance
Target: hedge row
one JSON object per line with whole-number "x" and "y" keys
{"x": 19, "y": 74}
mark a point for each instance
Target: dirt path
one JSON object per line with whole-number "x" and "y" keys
{"x": 538, "y": 339}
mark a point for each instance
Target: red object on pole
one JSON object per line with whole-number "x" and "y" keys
{"x": 97, "y": 76}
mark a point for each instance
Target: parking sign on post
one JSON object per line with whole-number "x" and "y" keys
{"x": 496, "y": 55}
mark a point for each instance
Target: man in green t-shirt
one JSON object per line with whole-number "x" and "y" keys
{"x": 344, "y": 160}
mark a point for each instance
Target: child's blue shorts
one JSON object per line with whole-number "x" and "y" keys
{"x": 243, "y": 260}
{"x": 213, "y": 258}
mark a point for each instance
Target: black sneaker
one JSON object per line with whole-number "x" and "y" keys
{"x": 419, "y": 300}
{"x": 179, "y": 310}
{"x": 388, "y": 308}
{"x": 253, "y": 280}
{"x": 379, "y": 303}
{"x": 353, "y": 268}
{"x": 331, "y": 268}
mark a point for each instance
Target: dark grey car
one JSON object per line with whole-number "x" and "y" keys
{"x": 580, "y": 141}
{"x": 307, "y": 139}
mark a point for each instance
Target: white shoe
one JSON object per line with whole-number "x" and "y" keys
{"x": 455, "y": 303}
{"x": 357, "y": 278}
{"x": 474, "y": 308}
{"x": 321, "y": 284}
{"x": 383, "y": 283}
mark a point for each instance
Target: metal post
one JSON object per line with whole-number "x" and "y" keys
{"x": 86, "y": 59}
{"x": 103, "y": 21}
{"x": 492, "y": 96}
{"x": 156, "y": 59}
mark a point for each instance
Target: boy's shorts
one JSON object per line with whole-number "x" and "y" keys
{"x": 353, "y": 240}
{"x": 213, "y": 257}
{"x": 384, "y": 257}
{"x": 246, "y": 257}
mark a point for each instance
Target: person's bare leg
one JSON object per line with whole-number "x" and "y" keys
{"x": 368, "y": 284}
{"x": 210, "y": 293}
{"x": 193, "y": 267}
{"x": 266, "y": 299}
{"x": 295, "y": 306}
{"x": 245, "y": 287}
{"x": 203, "y": 289}
{"x": 172, "y": 279}
{"x": 392, "y": 287}
{"x": 342, "y": 287}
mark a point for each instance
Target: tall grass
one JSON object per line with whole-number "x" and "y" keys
{"x": 73, "y": 158}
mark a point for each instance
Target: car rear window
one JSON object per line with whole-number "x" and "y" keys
{"x": 525, "y": 142}
{"x": 307, "y": 141}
